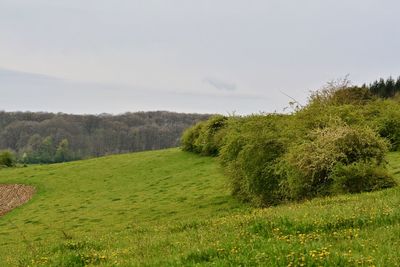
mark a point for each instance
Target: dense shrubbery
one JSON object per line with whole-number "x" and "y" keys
{"x": 358, "y": 177}
{"x": 7, "y": 159}
{"x": 336, "y": 144}
{"x": 383, "y": 116}
{"x": 307, "y": 167}
{"x": 250, "y": 151}
{"x": 205, "y": 137}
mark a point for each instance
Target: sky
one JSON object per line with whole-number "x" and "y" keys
{"x": 208, "y": 56}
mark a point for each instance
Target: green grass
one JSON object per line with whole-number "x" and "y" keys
{"x": 172, "y": 208}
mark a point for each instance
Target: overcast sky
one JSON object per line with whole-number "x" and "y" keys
{"x": 206, "y": 56}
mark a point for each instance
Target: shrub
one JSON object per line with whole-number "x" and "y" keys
{"x": 352, "y": 95}
{"x": 341, "y": 92}
{"x": 314, "y": 117}
{"x": 7, "y": 159}
{"x": 389, "y": 128}
{"x": 211, "y": 136}
{"x": 354, "y": 106}
{"x": 358, "y": 177}
{"x": 307, "y": 167}
{"x": 256, "y": 164}
{"x": 335, "y": 144}
{"x": 384, "y": 116}
{"x": 190, "y": 136}
{"x": 250, "y": 152}
{"x": 205, "y": 137}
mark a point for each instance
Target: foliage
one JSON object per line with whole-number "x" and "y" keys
{"x": 35, "y": 137}
{"x": 384, "y": 116}
{"x": 210, "y": 136}
{"x": 385, "y": 88}
{"x": 7, "y": 158}
{"x": 45, "y": 151}
{"x": 307, "y": 167}
{"x": 381, "y": 115}
{"x": 205, "y": 137}
{"x": 190, "y": 136}
{"x": 358, "y": 177}
{"x": 63, "y": 152}
{"x": 250, "y": 151}
{"x": 272, "y": 158}
{"x": 341, "y": 92}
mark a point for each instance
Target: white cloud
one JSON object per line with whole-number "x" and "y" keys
{"x": 220, "y": 85}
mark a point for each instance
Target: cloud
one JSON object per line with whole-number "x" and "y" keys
{"x": 8, "y": 75}
{"x": 220, "y": 85}
{"x": 22, "y": 91}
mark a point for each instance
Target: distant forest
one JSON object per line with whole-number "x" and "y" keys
{"x": 384, "y": 88}
{"x": 37, "y": 137}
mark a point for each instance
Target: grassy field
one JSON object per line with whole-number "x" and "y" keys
{"x": 168, "y": 208}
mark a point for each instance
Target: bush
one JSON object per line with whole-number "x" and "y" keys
{"x": 211, "y": 136}
{"x": 381, "y": 115}
{"x": 384, "y": 116}
{"x": 358, "y": 177}
{"x": 253, "y": 172}
{"x": 190, "y": 136}
{"x": 7, "y": 159}
{"x": 335, "y": 144}
{"x": 251, "y": 149}
{"x": 389, "y": 128}
{"x": 205, "y": 137}
{"x": 341, "y": 92}
{"x": 309, "y": 165}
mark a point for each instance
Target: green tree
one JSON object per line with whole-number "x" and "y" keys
{"x": 63, "y": 152}
{"x": 46, "y": 150}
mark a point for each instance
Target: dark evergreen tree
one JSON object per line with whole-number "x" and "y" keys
{"x": 385, "y": 88}
{"x": 397, "y": 85}
{"x": 390, "y": 87}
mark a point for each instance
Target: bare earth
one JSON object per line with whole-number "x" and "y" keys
{"x": 14, "y": 195}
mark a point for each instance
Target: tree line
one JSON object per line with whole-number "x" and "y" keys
{"x": 385, "y": 88}
{"x": 39, "y": 137}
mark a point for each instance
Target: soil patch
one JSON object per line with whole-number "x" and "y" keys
{"x": 14, "y": 195}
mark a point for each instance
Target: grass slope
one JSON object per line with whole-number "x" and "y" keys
{"x": 170, "y": 208}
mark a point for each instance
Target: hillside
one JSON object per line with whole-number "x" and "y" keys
{"x": 40, "y": 137}
{"x": 170, "y": 207}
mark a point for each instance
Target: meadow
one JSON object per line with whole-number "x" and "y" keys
{"x": 173, "y": 208}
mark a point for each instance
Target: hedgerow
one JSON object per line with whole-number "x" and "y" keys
{"x": 336, "y": 144}
{"x": 205, "y": 137}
